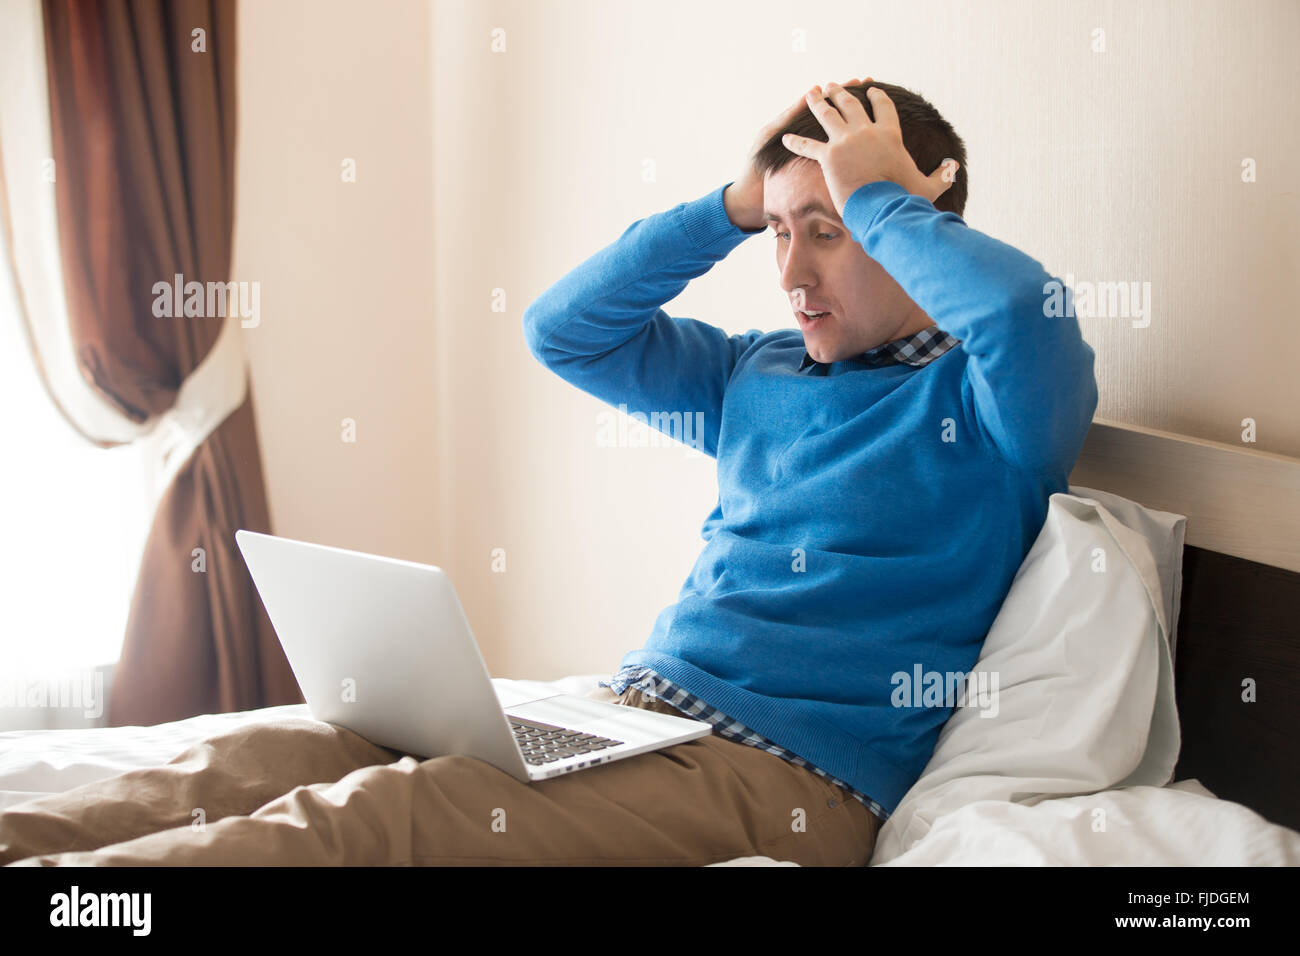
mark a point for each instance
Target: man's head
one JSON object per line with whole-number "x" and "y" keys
{"x": 821, "y": 266}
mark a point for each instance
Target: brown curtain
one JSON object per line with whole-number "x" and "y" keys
{"x": 143, "y": 129}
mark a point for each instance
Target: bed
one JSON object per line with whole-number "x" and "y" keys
{"x": 1145, "y": 707}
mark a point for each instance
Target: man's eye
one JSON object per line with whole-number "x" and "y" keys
{"x": 783, "y": 235}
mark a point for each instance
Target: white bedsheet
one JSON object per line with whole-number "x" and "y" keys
{"x": 1180, "y": 824}
{"x": 1176, "y": 825}
{"x": 37, "y": 762}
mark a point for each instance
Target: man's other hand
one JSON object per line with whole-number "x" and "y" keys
{"x": 743, "y": 199}
{"x": 860, "y": 150}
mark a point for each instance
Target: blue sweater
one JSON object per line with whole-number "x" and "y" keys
{"x": 870, "y": 521}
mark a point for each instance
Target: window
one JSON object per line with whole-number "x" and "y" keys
{"x": 75, "y": 518}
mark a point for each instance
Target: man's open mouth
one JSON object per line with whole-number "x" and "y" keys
{"x": 811, "y": 318}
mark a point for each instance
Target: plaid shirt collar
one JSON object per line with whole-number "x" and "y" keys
{"x": 916, "y": 350}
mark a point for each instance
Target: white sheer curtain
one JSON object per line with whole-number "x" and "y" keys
{"x": 75, "y": 515}
{"x": 74, "y": 524}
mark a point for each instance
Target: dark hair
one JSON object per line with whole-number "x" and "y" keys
{"x": 927, "y": 137}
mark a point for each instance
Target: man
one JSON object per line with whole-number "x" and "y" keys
{"x": 881, "y": 478}
{"x": 880, "y": 481}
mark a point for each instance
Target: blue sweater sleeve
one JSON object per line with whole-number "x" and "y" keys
{"x": 601, "y": 327}
{"x": 1031, "y": 375}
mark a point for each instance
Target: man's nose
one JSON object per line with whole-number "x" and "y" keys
{"x": 798, "y": 269}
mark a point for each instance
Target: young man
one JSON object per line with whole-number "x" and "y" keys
{"x": 882, "y": 471}
{"x": 880, "y": 481}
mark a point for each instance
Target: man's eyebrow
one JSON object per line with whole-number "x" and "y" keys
{"x": 814, "y": 205}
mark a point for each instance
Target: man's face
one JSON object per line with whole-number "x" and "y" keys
{"x": 824, "y": 270}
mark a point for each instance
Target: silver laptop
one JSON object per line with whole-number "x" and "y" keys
{"x": 382, "y": 647}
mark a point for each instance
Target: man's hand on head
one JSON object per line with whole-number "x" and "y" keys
{"x": 743, "y": 199}
{"x": 860, "y": 150}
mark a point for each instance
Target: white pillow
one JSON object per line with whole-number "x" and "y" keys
{"x": 1080, "y": 651}
{"x": 1165, "y": 533}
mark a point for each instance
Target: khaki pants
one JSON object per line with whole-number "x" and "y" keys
{"x": 304, "y": 793}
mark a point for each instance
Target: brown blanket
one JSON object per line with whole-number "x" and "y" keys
{"x": 300, "y": 792}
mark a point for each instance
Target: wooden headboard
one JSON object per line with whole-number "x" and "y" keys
{"x": 1239, "y": 614}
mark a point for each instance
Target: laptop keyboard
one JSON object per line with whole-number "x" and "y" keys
{"x": 542, "y": 743}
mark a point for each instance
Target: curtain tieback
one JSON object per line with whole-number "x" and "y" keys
{"x": 207, "y": 397}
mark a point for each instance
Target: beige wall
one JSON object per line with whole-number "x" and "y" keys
{"x": 346, "y": 326}
{"x": 485, "y": 176}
